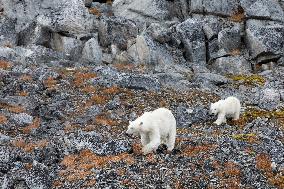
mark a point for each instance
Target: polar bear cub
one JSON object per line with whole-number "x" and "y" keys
{"x": 230, "y": 107}
{"x": 154, "y": 128}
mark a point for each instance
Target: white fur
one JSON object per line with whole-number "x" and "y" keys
{"x": 154, "y": 128}
{"x": 230, "y": 107}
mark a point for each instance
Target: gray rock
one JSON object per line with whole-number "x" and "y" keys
{"x": 152, "y": 53}
{"x": 214, "y": 50}
{"x": 282, "y": 95}
{"x": 159, "y": 33}
{"x": 211, "y": 78}
{"x": 88, "y": 3}
{"x": 117, "y": 31}
{"x": 231, "y": 65}
{"x": 269, "y": 99}
{"x": 107, "y": 58}
{"x": 264, "y": 39}
{"x": 71, "y": 47}
{"x": 92, "y": 52}
{"x": 8, "y": 36}
{"x": 147, "y": 10}
{"x": 225, "y": 8}
{"x": 193, "y": 38}
{"x": 22, "y": 118}
{"x": 4, "y": 138}
{"x": 229, "y": 39}
{"x": 139, "y": 82}
{"x": 263, "y": 9}
{"x": 69, "y": 16}
{"x": 35, "y": 34}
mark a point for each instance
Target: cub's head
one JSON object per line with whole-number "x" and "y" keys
{"x": 134, "y": 128}
{"x": 214, "y": 108}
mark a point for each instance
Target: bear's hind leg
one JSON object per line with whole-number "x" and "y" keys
{"x": 236, "y": 115}
{"x": 171, "y": 140}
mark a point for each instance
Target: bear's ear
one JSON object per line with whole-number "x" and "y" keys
{"x": 141, "y": 123}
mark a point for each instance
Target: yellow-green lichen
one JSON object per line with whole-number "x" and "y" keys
{"x": 248, "y": 79}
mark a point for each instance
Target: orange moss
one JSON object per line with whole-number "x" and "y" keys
{"x": 239, "y": 15}
{"x": 68, "y": 128}
{"x": 34, "y": 125}
{"x": 103, "y": 120}
{"x": 124, "y": 67}
{"x": 50, "y": 83}
{"x": 137, "y": 148}
{"x": 26, "y": 78}
{"x": 78, "y": 166}
{"x": 94, "y": 11}
{"x": 3, "y": 119}
{"x": 12, "y": 108}
{"x": 195, "y": 150}
{"x": 80, "y": 78}
{"x": 29, "y": 147}
{"x": 235, "y": 52}
{"x": 112, "y": 90}
{"x": 5, "y": 65}
{"x": 23, "y": 93}
{"x": 19, "y": 143}
{"x": 263, "y": 162}
{"x": 89, "y": 89}
{"x": 97, "y": 99}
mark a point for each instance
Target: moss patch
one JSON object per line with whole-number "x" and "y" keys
{"x": 253, "y": 80}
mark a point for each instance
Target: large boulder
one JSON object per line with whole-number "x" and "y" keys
{"x": 92, "y": 52}
{"x": 263, "y": 9}
{"x": 67, "y": 15}
{"x": 146, "y": 10}
{"x": 231, "y": 65}
{"x": 8, "y": 36}
{"x": 71, "y": 47}
{"x": 117, "y": 31}
{"x": 269, "y": 99}
{"x": 224, "y": 7}
{"x": 264, "y": 38}
{"x": 193, "y": 38}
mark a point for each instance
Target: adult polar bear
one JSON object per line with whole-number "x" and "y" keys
{"x": 230, "y": 107}
{"x": 154, "y": 128}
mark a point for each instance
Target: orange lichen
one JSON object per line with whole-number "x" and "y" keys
{"x": 78, "y": 166}
{"x": 124, "y": 67}
{"x": 94, "y": 11}
{"x": 5, "y": 65}
{"x": 80, "y": 78}
{"x": 103, "y": 120}
{"x": 263, "y": 162}
{"x": 3, "y": 119}
{"x": 238, "y": 15}
{"x": 34, "y": 125}
{"x": 235, "y": 52}
{"x": 50, "y": 83}
{"x": 69, "y": 128}
{"x": 111, "y": 91}
{"x": 26, "y": 78}
{"x": 29, "y": 147}
{"x": 97, "y": 99}
{"x": 23, "y": 93}
{"x": 195, "y": 150}
{"x": 89, "y": 89}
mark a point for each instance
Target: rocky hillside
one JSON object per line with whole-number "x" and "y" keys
{"x": 74, "y": 72}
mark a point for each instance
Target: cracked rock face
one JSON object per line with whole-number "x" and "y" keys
{"x": 74, "y": 73}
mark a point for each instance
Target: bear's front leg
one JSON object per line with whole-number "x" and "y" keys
{"x": 144, "y": 139}
{"x": 221, "y": 119}
{"x": 154, "y": 143}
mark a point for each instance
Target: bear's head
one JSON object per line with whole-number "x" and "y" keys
{"x": 214, "y": 108}
{"x": 134, "y": 128}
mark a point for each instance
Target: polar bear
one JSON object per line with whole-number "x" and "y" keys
{"x": 154, "y": 128}
{"x": 230, "y": 107}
